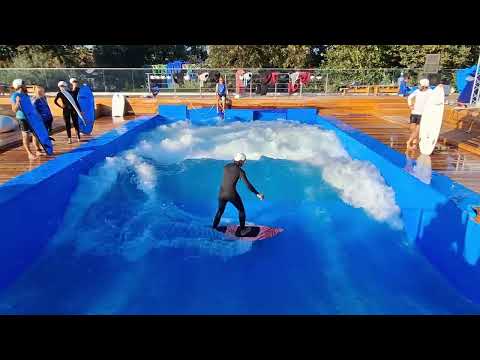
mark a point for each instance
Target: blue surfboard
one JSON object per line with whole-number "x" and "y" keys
{"x": 87, "y": 105}
{"x": 36, "y": 123}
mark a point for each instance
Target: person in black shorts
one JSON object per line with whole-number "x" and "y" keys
{"x": 20, "y": 90}
{"x": 416, "y": 101}
{"x": 228, "y": 191}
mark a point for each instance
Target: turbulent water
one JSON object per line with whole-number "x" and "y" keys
{"x": 136, "y": 235}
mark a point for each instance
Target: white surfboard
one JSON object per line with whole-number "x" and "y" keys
{"x": 118, "y": 104}
{"x": 431, "y": 122}
{"x": 423, "y": 169}
{"x": 74, "y": 104}
{"x": 7, "y": 124}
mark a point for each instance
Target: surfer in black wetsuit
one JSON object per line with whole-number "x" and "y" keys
{"x": 228, "y": 191}
{"x": 68, "y": 110}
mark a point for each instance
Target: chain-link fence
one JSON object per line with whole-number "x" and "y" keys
{"x": 161, "y": 80}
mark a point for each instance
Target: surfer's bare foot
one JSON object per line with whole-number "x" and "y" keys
{"x": 69, "y": 140}
{"x": 31, "y": 157}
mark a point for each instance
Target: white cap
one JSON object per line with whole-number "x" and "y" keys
{"x": 17, "y": 83}
{"x": 72, "y": 80}
{"x": 240, "y": 157}
{"x": 424, "y": 82}
{"x": 62, "y": 83}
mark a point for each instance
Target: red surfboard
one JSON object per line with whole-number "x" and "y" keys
{"x": 254, "y": 233}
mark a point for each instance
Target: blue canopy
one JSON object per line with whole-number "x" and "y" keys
{"x": 462, "y": 74}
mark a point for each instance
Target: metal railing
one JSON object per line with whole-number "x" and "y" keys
{"x": 148, "y": 80}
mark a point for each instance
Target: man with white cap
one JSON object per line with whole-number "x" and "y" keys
{"x": 75, "y": 88}
{"x": 20, "y": 90}
{"x": 228, "y": 190}
{"x": 420, "y": 97}
{"x": 69, "y": 113}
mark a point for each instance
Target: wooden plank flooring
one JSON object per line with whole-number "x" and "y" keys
{"x": 14, "y": 161}
{"x": 459, "y": 164}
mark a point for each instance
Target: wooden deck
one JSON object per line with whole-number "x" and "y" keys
{"x": 14, "y": 161}
{"x": 460, "y": 165}
{"x": 385, "y": 118}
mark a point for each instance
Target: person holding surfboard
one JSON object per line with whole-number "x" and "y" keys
{"x": 221, "y": 91}
{"x": 228, "y": 191}
{"x": 75, "y": 88}
{"x": 40, "y": 103}
{"x": 419, "y": 98}
{"x": 69, "y": 113}
{"x": 20, "y": 90}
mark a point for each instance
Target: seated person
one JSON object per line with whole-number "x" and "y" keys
{"x": 221, "y": 92}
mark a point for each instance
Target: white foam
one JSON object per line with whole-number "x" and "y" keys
{"x": 359, "y": 183}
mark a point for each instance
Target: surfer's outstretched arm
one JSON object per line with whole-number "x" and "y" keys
{"x": 249, "y": 185}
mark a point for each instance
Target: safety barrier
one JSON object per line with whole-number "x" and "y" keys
{"x": 157, "y": 80}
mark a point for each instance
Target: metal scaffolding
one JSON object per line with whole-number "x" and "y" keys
{"x": 475, "y": 98}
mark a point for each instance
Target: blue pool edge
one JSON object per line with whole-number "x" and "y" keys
{"x": 437, "y": 217}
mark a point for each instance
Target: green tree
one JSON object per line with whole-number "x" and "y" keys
{"x": 142, "y": 55}
{"x": 393, "y": 56}
{"x": 451, "y": 56}
{"x": 27, "y": 56}
{"x": 360, "y": 57}
{"x": 260, "y": 56}
{"x": 6, "y": 54}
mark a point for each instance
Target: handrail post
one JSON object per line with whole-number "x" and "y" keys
{"x": 104, "y": 83}
{"x": 326, "y": 84}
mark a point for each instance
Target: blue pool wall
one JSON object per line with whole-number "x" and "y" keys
{"x": 25, "y": 228}
{"x": 437, "y": 217}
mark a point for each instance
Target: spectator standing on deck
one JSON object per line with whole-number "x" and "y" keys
{"x": 402, "y": 85}
{"x": 419, "y": 98}
{"x": 20, "y": 90}
{"x": 41, "y": 105}
{"x": 69, "y": 113}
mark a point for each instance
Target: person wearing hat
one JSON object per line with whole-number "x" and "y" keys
{"x": 20, "y": 90}
{"x": 69, "y": 114}
{"x": 75, "y": 88}
{"x": 228, "y": 191}
{"x": 40, "y": 103}
{"x": 419, "y": 98}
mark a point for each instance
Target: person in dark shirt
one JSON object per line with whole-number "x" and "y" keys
{"x": 75, "y": 88}
{"x": 228, "y": 191}
{"x": 69, "y": 113}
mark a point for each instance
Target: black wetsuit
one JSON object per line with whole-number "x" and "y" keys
{"x": 228, "y": 192}
{"x": 69, "y": 112}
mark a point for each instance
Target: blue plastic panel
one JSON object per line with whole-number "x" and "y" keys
{"x": 238, "y": 115}
{"x": 173, "y": 112}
